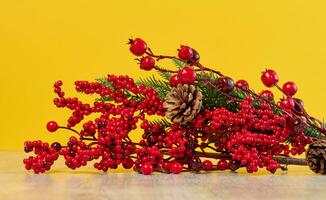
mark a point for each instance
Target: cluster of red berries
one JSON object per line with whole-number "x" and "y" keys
{"x": 186, "y": 76}
{"x": 252, "y": 135}
{"x": 108, "y": 134}
{"x": 45, "y": 156}
{"x": 249, "y": 137}
{"x": 270, "y": 79}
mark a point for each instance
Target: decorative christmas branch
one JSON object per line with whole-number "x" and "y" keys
{"x": 203, "y": 117}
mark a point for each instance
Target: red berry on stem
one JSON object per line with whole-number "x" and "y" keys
{"x": 176, "y": 168}
{"x": 147, "y": 63}
{"x": 195, "y": 56}
{"x": 301, "y": 127}
{"x": 187, "y": 75}
{"x": 207, "y": 165}
{"x": 166, "y": 166}
{"x": 185, "y": 52}
{"x": 299, "y": 105}
{"x": 174, "y": 80}
{"x": 234, "y": 165}
{"x": 28, "y": 149}
{"x": 195, "y": 164}
{"x": 147, "y": 168}
{"x": 289, "y": 88}
{"x": 56, "y": 146}
{"x": 138, "y": 47}
{"x": 58, "y": 83}
{"x": 226, "y": 84}
{"x": 266, "y": 94}
{"x": 127, "y": 163}
{"x": 242, "y": 84}
{"x": 297, "y": 124}
{"x": 269, "y": 78}
{"x": 287, "y": 103}
{"x": 52, "y": 126}
{"x": 222, "y": 165}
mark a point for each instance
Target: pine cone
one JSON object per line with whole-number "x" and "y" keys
{"x": 316, "y": 156}
{"x": 183, "y": 103}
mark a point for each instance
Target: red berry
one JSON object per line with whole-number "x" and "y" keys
{"x": 287, "y": 103}
{"x": 207, "y": 165}
{"x": 294, "y": 151}
{"x": 52, "y": 126}
{"x": 187, "y": 75}
{"x": 28, "y": 149}
{"x": 195, "y": 56}
{"x": 146, "y": 168}
{"x": 174, "y": 80}
{"x": 58, "y": 83}
{"x": 299, "y": 105}
{"x": 175, "y": 168}
{"x": 266, "y": 94}
{"x": 127, "y": 163}
{"x": 166, "y": 166}
{"x": 185, "y": 52}
{"x": 138, "y": 47}
{"x": 297, "y": 124}
{"x": 242, "y": 84}
{"x": 269, "y": 78}
{"x": 226, "y": 84}
{"x": 195, "y": 164}
{"x": 234, "y": 165}
{"x": 222, "y": 165}
{"x": 147, "y": 63}
{"x": 289, "y": 88}
{"x": 56, "y": 146}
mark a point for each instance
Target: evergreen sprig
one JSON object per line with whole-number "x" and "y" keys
{"x": 311, "y": 132}
{"x": 160, "y": 86}
{"x": 164, "y": 74}
{"x": 163, "y": 122}
{"x": 179, "y": 64}
{"x": 104, "y": 81}
{"x": 213, "y": 97}
{"x": 104, "y": 98}
{"x": 108, "y": 84}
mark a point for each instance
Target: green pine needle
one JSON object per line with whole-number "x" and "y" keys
{"x": 104, "y": 98}
{"x": 311, "y": 132}
{"x": 165, "y": 75}
{"x": 160, "y": 86}
{"x": 105, "y": 82}
{"x": 213, "y": 97}
{"x": 178, "y": 63}
{"x": 163, "y": 122}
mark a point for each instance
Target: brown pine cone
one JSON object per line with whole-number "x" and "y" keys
{"x": 183, "y": 103}
{"x": 316, "y": 156}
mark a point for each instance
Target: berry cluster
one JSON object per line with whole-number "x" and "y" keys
{"x": 238, "y": 128}
{"x": 252, "y": 135}
{"x": 108, "y": 134}
{"x": 45, "y": 156}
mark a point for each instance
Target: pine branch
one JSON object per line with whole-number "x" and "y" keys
{"x": 104, "y": 98}
{"x": 160, "y": 86}
{"x": 179, "y": 64}
{"x": 104, "y": 81}
{"x": 163, "y": 122}
{"x": 311, "y": 132}
{"x": 165, "y": 75}
{"x": 239, "y": 94}
{"x": 137, "y": 97}
{"x": 213, "y": 97}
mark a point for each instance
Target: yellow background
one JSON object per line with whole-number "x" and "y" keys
{"x": 43, "y": 41}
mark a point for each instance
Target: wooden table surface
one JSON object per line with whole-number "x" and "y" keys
{"x": 87, "y": 183}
